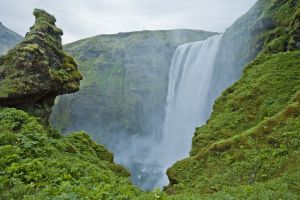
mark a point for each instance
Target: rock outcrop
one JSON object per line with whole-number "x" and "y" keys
{"x": 37, "y": 70}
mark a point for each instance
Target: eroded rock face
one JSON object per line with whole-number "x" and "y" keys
{"x": 37, "y": 70}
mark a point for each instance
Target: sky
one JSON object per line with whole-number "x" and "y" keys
{"x": 86, "y": 18}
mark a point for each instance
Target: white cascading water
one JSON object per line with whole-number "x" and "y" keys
{"x": 189, "y": 81}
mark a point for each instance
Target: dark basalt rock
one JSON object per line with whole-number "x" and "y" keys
{"x": 37, "y": 70}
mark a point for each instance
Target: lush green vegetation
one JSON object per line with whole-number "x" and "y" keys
{"x": 249, "y": 148}
{"x": 37, "y": 70}
{"x": 251, "y": 142}
{"x": 38, "y": 163}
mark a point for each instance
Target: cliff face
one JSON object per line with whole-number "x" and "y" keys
{"x": 249, "y": 147}
{"x": 240, "y": 44}
{"x": 125, "y": 85}
{"x": 37, "y": 70}
{"x": 8, "y": 39}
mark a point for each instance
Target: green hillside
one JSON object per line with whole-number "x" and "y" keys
{"x": 8, "y": 39}
{"x": 249, "y": 148}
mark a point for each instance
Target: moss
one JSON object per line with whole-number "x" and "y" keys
{"x": 278, "y": 44}
{"x": 81, "y": 140}
{"x": 38, "y": 69}
{"x": 30, "y": 47}
{"x": 253, "y": 160}
{"x": 35, "y": 165}
{"x": 250, "y": 102}
{"x": 285, "y": 15}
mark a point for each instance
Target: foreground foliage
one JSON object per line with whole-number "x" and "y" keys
{"x": 38, "y": 163}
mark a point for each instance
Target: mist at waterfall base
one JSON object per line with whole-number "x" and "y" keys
{"x": 149, "y": 156}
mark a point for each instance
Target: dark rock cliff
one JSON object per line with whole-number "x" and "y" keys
{"x": 37, "y": 70}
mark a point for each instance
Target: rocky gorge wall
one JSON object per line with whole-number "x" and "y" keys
{"x": 125, "y": 83}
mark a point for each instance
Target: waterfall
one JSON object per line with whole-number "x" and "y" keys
{"x": 186, "y": 108}
{"x": 189, "y": 83}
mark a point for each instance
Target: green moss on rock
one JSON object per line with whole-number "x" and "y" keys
{"x": 37, "y": 70}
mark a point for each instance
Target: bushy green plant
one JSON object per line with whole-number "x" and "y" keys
{"x": 36, "y": 163}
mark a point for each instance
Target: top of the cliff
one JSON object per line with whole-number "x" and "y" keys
{"x": 8, "y": 39}
{"x": 37, "y": 69}
{"x": 176, "y": 36}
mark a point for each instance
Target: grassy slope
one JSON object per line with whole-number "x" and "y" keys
{"x": 249, "y": 149}
{"x": 38, "y": 163}
{"x": 252, "y": 138}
